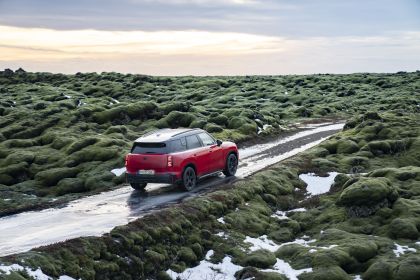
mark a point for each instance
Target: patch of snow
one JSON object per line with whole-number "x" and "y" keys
{"x": 36, "y": 274}
{"x": 222, "y": 234}
{"x": 247, "y": 204}
{"x": 67, "y": 96}
{"x": 209, "y": 254}
{"x": 286, "y": 93}
{"x": 261, "y": 242}
{"x": 301, "y": 241}
{"x": 284, "y": 268}
{"x": 259, "y": 130}
{"x": 81, "y": 103}
{"x": 357, "y": 277}
{"x": 206, "y": 270}
{"x": 313, "y": 250}
{"x": 115, "y": 101}
{"x": 221, "y": 220}
{"x": 266, "y": 126}
{"x": 316, "y": 184}
{"x": 402, "y": 249}
{"x": 282, "y": 215}
{"x": 118, "y": 171}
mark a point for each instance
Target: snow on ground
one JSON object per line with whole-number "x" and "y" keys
{"x": 282, "y": 215}
{"x": 221, "y": 220}
{"x": 262, "y": 242}
{"x": 316, "y": 184}
{"x": 357, "y": 277}
{"x": 115, "y": 101}
{"x": 67, "y": 96}
{"x": 284, "y": 268}
{"x": 222, "y": 234}
{"x": 402, "y": 249}
{"x": 36, "y": 274}
{"x": 206, "y": 270}
{"x": 118, "y": 171}
{"x": 226, "y": 270}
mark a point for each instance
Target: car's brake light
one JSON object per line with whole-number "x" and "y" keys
{"x": 126, "y": 160}
{"x": 170, "y": 161}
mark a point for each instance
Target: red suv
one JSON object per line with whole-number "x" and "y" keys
{"x": 178, "y": 156}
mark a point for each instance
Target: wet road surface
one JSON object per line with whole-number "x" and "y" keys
{"x": 98, "y": 214}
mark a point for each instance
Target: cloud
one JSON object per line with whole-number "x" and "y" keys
{"x": 193, "y": 52}
{"x": 54, "y": 44}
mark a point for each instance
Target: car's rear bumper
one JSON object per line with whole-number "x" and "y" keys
{"x": 161, "y": 178}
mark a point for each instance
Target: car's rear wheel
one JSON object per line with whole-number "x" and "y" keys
{"x": 231, "y": 165}
{"x": 189, "y": 178}
{"x": 138, "y": 186}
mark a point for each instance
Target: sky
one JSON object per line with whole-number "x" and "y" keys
{"x": 210, "y": 37}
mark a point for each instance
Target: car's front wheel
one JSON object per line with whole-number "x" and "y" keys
{"x": 189, "y": 178}
{"x": 231, "y": 165}
{"x": 138, "y": 186}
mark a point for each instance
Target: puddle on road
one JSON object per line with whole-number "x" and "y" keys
{"x": 98, "y": 214}
{"x": 317, "y": 184}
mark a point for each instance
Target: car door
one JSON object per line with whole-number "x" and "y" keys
{"x": 198, "y": 154}
{"x": 215, "y": 153}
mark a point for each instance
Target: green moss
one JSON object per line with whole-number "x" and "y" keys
{"x": 187, "y": 255}
{"x": 52, "y": 176}
{"x": 236, "y": 122}
{"x": 380, "y": 270}
{"x": 347, "y": 147}
{"x": 368, "y": 191}
{"x": 176, "y": 119}
{"x": 260, "y": 259}
{"x": 326, "y": 273}
{"x": 212, "y": 128}
{"x": 403, "y": 228}
{"x": 408, "y": 269}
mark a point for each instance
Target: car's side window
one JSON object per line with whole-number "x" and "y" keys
{"x": 206, "y": 139}
{"x": 178, "y": 146}
{"x": 193, "y": 142}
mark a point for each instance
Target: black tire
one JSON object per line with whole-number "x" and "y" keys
{"x": 189, "y": 178}
{"x": 231, "y": 165}
{"x": 138, "y": 186}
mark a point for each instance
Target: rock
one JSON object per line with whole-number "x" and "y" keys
{"x": 347, "y": 147}
{"x": 403, "y": 228}
{"x": 408, "y": 269}
{"x": 260, "y": 259}
{"x": 379, "y": 270}
{"x": 325, "y": 273}
{"x": 368, "y": 191}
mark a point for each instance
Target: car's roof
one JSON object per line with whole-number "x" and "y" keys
{"x": 166, "y": 134}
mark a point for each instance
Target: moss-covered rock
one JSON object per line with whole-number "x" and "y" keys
{"x": 52, "y": 176}
{"x": 368, "y": 191}
{"x": 260, "y": 259}
{"x": 347, "y": 147}
{"x": 403, "y": 228}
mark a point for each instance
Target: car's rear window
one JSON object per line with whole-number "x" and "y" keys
{"x": 149, "y": 148}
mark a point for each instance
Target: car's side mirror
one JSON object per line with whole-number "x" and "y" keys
{"x": 219, "y": 142}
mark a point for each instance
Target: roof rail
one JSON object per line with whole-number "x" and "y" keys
{"x": 179, "y": 133}
{"x": 153, "y": 131}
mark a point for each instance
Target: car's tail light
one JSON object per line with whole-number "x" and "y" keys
{"x": 126, "y": 160}
{"x": 170, "y": 161}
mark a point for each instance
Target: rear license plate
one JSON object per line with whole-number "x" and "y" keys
{"x": 146, "y": 172}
